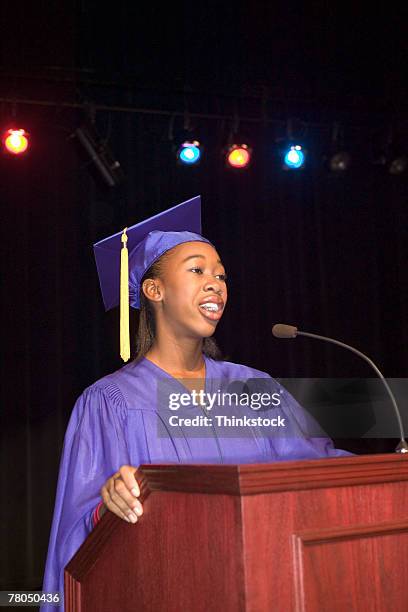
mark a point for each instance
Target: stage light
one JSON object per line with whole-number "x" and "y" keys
{"x": 337, "y": 159}
{"x": 239, "y": 156}
{"x": 189, "y": 152}
{"x": 16, "y": 141}
{"x": 389, "y": 149}
{"x": 294, "y": 157}
{"x": 340, "y": 161}
{"x": 398, "y": 165}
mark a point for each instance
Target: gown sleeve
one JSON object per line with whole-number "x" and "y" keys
{"x": 95, "y": 446}
{"x": 304, "y": 438}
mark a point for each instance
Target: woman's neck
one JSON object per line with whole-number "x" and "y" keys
{"x": 179, "y": 358}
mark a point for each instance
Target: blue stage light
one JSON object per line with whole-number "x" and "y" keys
{"x": 189, "y": 152}
{"x": 294, "y": 157}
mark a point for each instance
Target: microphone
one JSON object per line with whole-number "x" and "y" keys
{"x": 280, "y": 330}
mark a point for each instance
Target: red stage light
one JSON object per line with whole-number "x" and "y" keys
{"x": 16, "y": 141}
{"x": 239, "y": 156}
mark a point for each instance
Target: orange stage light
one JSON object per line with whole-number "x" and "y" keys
{"x": 239, "y": 156}
{"x": 16, "y": 141}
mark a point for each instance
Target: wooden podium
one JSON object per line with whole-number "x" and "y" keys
{"x": 312, "y": 536}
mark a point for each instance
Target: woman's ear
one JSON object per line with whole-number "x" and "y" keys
{"x": 151, "y": 289}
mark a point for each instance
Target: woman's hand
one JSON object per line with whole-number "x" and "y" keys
{"x": 119, "y": 494}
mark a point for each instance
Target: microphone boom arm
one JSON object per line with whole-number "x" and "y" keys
{"x": 289, "y": 331}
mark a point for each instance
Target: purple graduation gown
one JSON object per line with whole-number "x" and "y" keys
{"x": 114, "y": 423}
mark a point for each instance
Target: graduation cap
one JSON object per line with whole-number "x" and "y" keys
{"x": 124, "y": 258}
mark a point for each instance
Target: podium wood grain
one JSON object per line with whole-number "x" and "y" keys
{"x": 307, "y": 536}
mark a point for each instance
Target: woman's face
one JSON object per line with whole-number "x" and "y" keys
{"x": 193, "y": 290}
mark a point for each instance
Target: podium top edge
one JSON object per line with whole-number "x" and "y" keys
{"x": 255, "y": 478}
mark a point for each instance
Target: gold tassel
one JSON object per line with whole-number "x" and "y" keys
{"x": 124, "y": 300}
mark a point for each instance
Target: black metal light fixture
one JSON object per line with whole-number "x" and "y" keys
{"x": 340, "y": 159}
{"x": 100, "y": 154}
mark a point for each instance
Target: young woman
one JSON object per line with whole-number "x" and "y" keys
{"x": 177, "y": 280}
